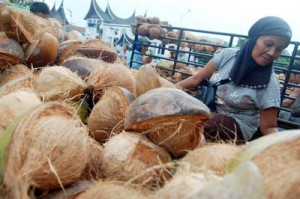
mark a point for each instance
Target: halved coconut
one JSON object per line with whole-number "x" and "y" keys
{"x": 15, "y": 104}
{"x": 109, "y": 75}
{"x": 83, "y": 66}
{"x": 49, "y": 148}
{"x": 67, "y": 49}
{"x": 170, "y": 117}
{"x": 210, "y": 157}
{"x": 43, "y": 51}
{"x": 107, "y": 116}
{"x": 96, "y": 48}
{"x": 59, "y": 83}
{"x": 277, "y": 157}
{"x": 133, "y": 158}
{"x": 11, "y": 52}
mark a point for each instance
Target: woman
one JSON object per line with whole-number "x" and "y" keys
{"x": 251, "y": 98}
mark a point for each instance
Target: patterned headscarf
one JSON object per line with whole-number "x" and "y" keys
{"x": 245, "y": 71}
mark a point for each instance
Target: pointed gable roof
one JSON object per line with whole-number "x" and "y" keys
{"x": 95, "y": 12}
{"x": 59, "y": 14}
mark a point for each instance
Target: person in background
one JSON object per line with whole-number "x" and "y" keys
{"x": 141, "y": 46}
{"x": 40, "y": 9}
{"x": 123, "y": 54}
{"x": 248, "y": 104}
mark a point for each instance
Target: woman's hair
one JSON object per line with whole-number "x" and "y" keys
{"x": 40, "y": 7}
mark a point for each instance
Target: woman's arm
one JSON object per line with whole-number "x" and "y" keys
{"x": 268, "y": 121}
{"x": 194, "y": 80}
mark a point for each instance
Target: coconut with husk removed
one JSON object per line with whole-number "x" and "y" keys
{"x": 74, "y": 35}
{"x": 15, "y": 104}
{"x": 49, "y": 148}
{"x": 109, "y": 75}
{"x": 112, "y": 190}
{"x": 25, "y": 27}
{"x": 43, "y": 51}
{"x": 244, "y": 183}
{"x": 96, "y": 48}
{"x": 155, "y": 31}
{"x": 133, "y": 158}
{"x": 14, "y": 78}
{"x": 170, "y": 117}
{"x": 143, "y": 29}
{"x": 59, "y": 83}
{"x": 67, "y": 49}
{"x": 211, "y": 157}
{"x": 278, "y": 158}
{"x": 83, "y": 66}
{"x": 107, "y": 116}
{"x": 11, "y": 52}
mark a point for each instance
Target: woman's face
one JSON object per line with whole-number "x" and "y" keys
{"x": 268, "y": 48}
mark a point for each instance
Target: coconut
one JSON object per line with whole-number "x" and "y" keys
{"x": 147, "y": 79}
{"x": 107, "y": 116}
{"x": 14, "y": 104}
{"x": 109, "y": 75}
{"x": 96, "y": 48}
{"x": 112, "y": 190}
{"x": 11, "y": 52}
{"x": 140, "y": 19}
{"x": 163, "y": 22}
{"x": 211, "y": 157}
{"x": 155, "y": 31}
{"x": 48, "y": 149}
{"x": 133, "y": 158}
{"x": 143, "y": 29}
{"x": 165, "y": 83}
{"x": 281, "y": 151}
{"x": 244, "y": 183}
{"x": 43, "y": 51}
{"x": 14, "y": 78}
{"x": 59, "y": 83}
{"x": 83, "y": 66}
{"x": 75, "y": 35}
{"x": 67, "y": 49}
{"x": 170, "y": 117}
{"x": 155, "y": 20}
{"x": 25, "y": 27}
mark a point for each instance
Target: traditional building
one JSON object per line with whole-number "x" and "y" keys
{"x": 108, "y": 26}
{"x": 59, "y": 14}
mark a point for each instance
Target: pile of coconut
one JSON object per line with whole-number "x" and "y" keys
{"x": 90, "y": 128}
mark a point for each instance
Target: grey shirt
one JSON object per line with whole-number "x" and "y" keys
{"x": 241, "y": 103}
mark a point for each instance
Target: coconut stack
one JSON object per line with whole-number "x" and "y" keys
{"x": 132, "y": 158}
{"x": 68, "y": 49}
{"x": 109, "y": 75}
{"x": 49, "y": 148}
{"x": 59, "y": 83}
{"x": 11, "y": 52}
{"x": 96, "y": 48}
{"x": 170, "y": 117}
{"x": 277, "y": 157}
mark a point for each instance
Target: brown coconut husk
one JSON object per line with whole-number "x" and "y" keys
{"x": 59, "y": 83}
{"x": 109, "y": 75}
{"x": 107, "y": 116}
{"x": 132, "y": 158}
{"x": 211, "y": 157}
{"x": 43, "y": 51}
{"x": 15, "y": 104}
{"x": 14, "y": 78}
{"x": 170, "y": 117}
{"x": 166, "y": 83}
{"x": 83, "y": 66}
{"x": 67, "y": 49}
{"x": 11, "y": 52}
{"x": 112, "y": 190}
{"x": 155, "y": 20}
{"x": 74, "y": 35}
{"x": 147, "y": 79}
{"x": 49, "y": 148}
{"x": 163, "y": 22}
{"x": 155, "y": 31}
{"x": 140, "y": 19}
{"x": 143, "y": 29}
{"x": 279, "y": 166}
{"x": 25, "y": 27}
{"x": 96, "y": 48}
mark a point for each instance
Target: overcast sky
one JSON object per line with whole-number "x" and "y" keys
{"x": 231, "y": 16}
